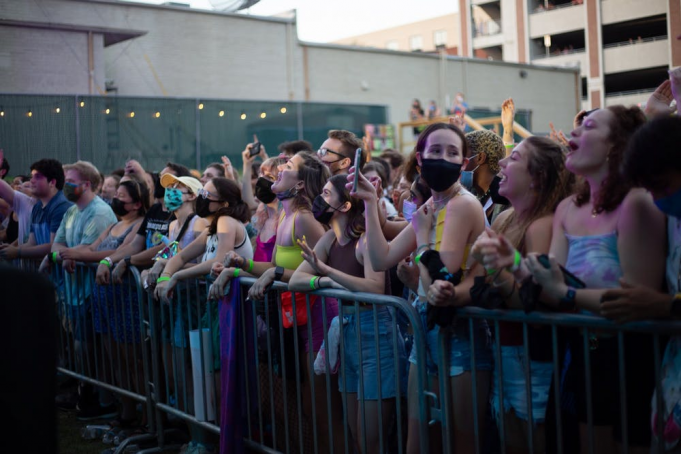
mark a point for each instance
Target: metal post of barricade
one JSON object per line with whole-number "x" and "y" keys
{"x": 556, "y": 389}
{"x": 445, "y": 389}
{"x": 528, "y": 388}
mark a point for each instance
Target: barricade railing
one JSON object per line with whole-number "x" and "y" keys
{"x": 102, "y": 339}
{"x": 171, "y": 347}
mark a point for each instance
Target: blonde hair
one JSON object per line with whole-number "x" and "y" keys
{"x": 87, "y": 172}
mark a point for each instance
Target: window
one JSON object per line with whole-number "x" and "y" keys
{"x": 392, "y": 45}
{"x": 416, "y": 42}
{"x": 440, "y": 38}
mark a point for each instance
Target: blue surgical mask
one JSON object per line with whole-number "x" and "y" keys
{"x": 408, "y": 209}
{"x": 466, "y": 179}
{"x": 670, "y": 205}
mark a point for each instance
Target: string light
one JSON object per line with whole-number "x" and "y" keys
{"x": 132, "y": 114}
{"x": 2, "y": 113}
{"x": 283, "y": 110}
{"x": 200, "y": 106}
{"x": 243, "y": 116}
{"x": 29, "y": 114}
{"x": 57, "y": 110}
{"x": 82, "y": 104}
{"x": 263, "y": 115}
{"x": 157, "y": 114}
{"x": 107, "y": 111}
{"x": 221, "y": 113}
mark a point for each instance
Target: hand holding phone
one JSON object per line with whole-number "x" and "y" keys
{"x": 570, "y": 279}
{"x": 358, "y": 160}
{"x": 255, "y": 149}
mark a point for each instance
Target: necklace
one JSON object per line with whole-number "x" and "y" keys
{"x": 439, "y": 203}
{"x": 484, "y": 196}
{"x": 594, "y": 213}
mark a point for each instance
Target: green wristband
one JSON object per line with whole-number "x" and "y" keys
{"x": 509, "y": 145}
{"x": 491, "y": 271}
{"x": 236, "y": 272}
{"x": 517, "y": 260}
{"x": 312, "y": 282}
{"x": 417, "y": 259}
{"x": 105, "y": 262}
{"x": 55, "y": 254}
{"x": 250, "y": 265}
{"x": 162, "y": 279}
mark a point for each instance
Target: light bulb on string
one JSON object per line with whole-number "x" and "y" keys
{"x": 29, "y": 114}
{"x": 221, "y": 113}
{"x": 82, "y": 104}
{"x": 283, "y": 110}
{"x": 57, "y": 110}
{"x": 157, "y": 114}
{"x": 132, "y": 114}
{"x": 201, "y": 106}
{"x": 243, "y": 116}
{"x": 107, "y": 111}
{"x": 263, "y": 115}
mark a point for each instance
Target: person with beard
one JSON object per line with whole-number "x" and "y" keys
{"x": 448, "y": 223}
{"x": 146, "y": 244}
{"x": 83, "y": 222}
{"x": 341, "y": 258}
{"x": 338, "y": 151}
{"x": 46, "y": 213}
{"x": 116, "y": 316}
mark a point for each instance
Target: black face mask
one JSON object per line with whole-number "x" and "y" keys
{"x": 439, "y": 173}
{"x": 320, "y": 210}
{"x": 118, "y": 207}
{"x": 494, "y": 191}
{"x": 203, "y": 207}
{"x": 263, "y": 190}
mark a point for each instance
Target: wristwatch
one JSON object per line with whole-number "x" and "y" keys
{"x": 127, "y": 261}
{"x": 676, "y": 306}
{"x": 568, "y": 301}
{"x": 278, "y": 273}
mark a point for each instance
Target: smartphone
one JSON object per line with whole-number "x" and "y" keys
{"x": 358, "y": 160}
{"x": 570, "y": 279}
{"x": 255, "y": 149}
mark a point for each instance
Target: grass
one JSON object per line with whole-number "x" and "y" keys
{"x": 69, "y": 435}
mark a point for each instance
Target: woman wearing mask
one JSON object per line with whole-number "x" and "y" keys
{"x": 180, "y": 196}
{"x": 607, "y": 235}
{"x": 341, "y": 257}
{"x": 534, "y": 180}
{"x": 301, "y": 178}
{"x": 264, "y": 221}
{"x": 448, "y": 223}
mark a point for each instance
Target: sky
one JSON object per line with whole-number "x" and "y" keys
{"x": 329, "y": 20}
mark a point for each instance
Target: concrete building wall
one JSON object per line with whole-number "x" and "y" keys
{"x": 401, "y": 34}
{"x": 189, "y": 53}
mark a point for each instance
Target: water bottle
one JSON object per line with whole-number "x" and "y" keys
{"x": 160, "y": 238}
{"x": 94, "y": 431}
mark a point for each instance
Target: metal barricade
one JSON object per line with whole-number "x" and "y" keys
{"x": 570, "y": 341}
{"x": 168, "y": 356}
{"x": 316, "y": 419}
{"x": 102, "y": 340}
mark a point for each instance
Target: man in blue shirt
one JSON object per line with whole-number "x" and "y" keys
{"x": 47, "y": 181}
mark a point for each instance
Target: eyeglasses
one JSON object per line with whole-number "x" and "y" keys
{"x": 324, "y": 151}
{"x": 205, "y": 194}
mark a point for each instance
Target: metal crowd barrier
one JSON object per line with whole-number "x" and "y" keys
{"x": 102, "y": 339}
{"x": 170, "y": 358}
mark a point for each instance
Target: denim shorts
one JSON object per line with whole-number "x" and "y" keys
{"x": 371, "y": 357}
{"x": 459, "y": 345}
{"x": 513, "y": 361}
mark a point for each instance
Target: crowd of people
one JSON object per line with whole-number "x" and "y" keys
{"x": 587, "y": 224}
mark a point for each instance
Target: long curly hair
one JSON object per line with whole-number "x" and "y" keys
{"x": 552, "y": 183}
{"x": 615, "y": 186}
{"x": 314, "y": 174}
